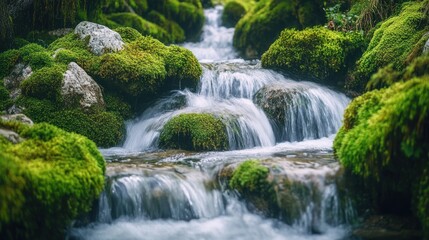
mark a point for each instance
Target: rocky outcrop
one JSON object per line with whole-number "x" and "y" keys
{"x": 78, "y": 85}
{"x": 10, "y": 135}
{"x": 19, "y": 73}
{"x": 101, "y": 39}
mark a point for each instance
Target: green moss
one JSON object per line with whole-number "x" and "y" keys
{"x": 30, "y": 49}
{"x": 385, "y": 142}
{"x": 117, "y": 105}
{"x": 141, "y": 25}
{"x": 45, "y": 83}
{"x": 46, "y": 181}
{"x": 384, "y": 77}
{"x": 65, "y": 56}
{"x": 183, "y": 69}
{"x": 106, "y": 129}
{"x": 250, "y": 177}
{"x": 39, "y": 60}
{"x": 128, "y": 34}
{"x": 133, "y": 72}
{"x": 194, "y": 131}
{"x": 8, "y": 60}
{"x": 259, "y": 28}
{"x": 317, "y": 51}
{"x": 392, "y": 43}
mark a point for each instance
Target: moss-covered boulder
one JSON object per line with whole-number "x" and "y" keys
{"x": 385, "y": 142}
{"x": 234, "y": 10}
{"x": 260, "y": 27}
{"x": 60, "y": 94}
{"x": 316, "y": 52}
{"x": 194, "y": 131}
{"x": 397, "y": 41}
{"x": 46, "y": 180}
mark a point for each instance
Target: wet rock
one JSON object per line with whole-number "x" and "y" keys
{"x": 19, "y": 73}
{"x": 101, "y": 39}
{"x": 78, "y": 85}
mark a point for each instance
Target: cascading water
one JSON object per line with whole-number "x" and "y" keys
{"x": 178, "y": 195}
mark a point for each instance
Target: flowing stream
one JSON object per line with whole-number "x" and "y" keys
{"x": 152, "y": 194}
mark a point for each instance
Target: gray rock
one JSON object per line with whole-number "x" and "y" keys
{"x": 15, "y": 109}
{"x": 102, "y": 39}
{"x": 17, "y": 117}
{"x": 19, "y": 73}
{"x": 11, "y": 136}
{"x": 60, "y": 32}
{"x": 77, "y": 84}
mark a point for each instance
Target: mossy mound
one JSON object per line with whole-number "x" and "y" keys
{"x": 46, "y": 181}
{"x": 42, "y": 98}
{"x": 394, "y": 43}
{"x": 146, "y": 67}
{"x": 385, "y": 142}
{"x": 194, "y": 131}
{"x": 234, "y": 10}
{"x": 318, "y": 52}
{"x": 260, "y": 27}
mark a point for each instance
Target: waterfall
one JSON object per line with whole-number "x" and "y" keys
{"x": 286, "y": 124}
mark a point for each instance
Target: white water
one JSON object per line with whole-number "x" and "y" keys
{"x": 179, "y": 196}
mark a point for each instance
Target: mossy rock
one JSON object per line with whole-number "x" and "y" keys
{"x": 45, "y": 83}
{"x": 46, "y": 181}
{"x": 194, "y": 131}
{"x": 261, "y": 26}
{"x": 234, "y": 10}
{"x": 318, "y": 52}
{"x": 105, "y": 128}
{"x": 385, "y": 142}
{"x": 274, "y": 195}
{"x": 392, "y": 43}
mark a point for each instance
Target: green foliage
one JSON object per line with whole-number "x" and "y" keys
{"x": 317, "y": 51}
{"x": 340, "y": 21}
{"x": 46, "y": 181}
{"x": 259, "y": 28}
{"x": 8, "y": 60}
{"x": 45, "y": 83}
{"x": 250, "y": 177}
{"x": 385, "y": 142}
{"x": 194, "y": 131}
{"x": 392, "y": 43}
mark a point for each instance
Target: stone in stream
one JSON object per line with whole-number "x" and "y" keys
{"x": 101, "y": 39}
{"x": 77, "y": 84}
